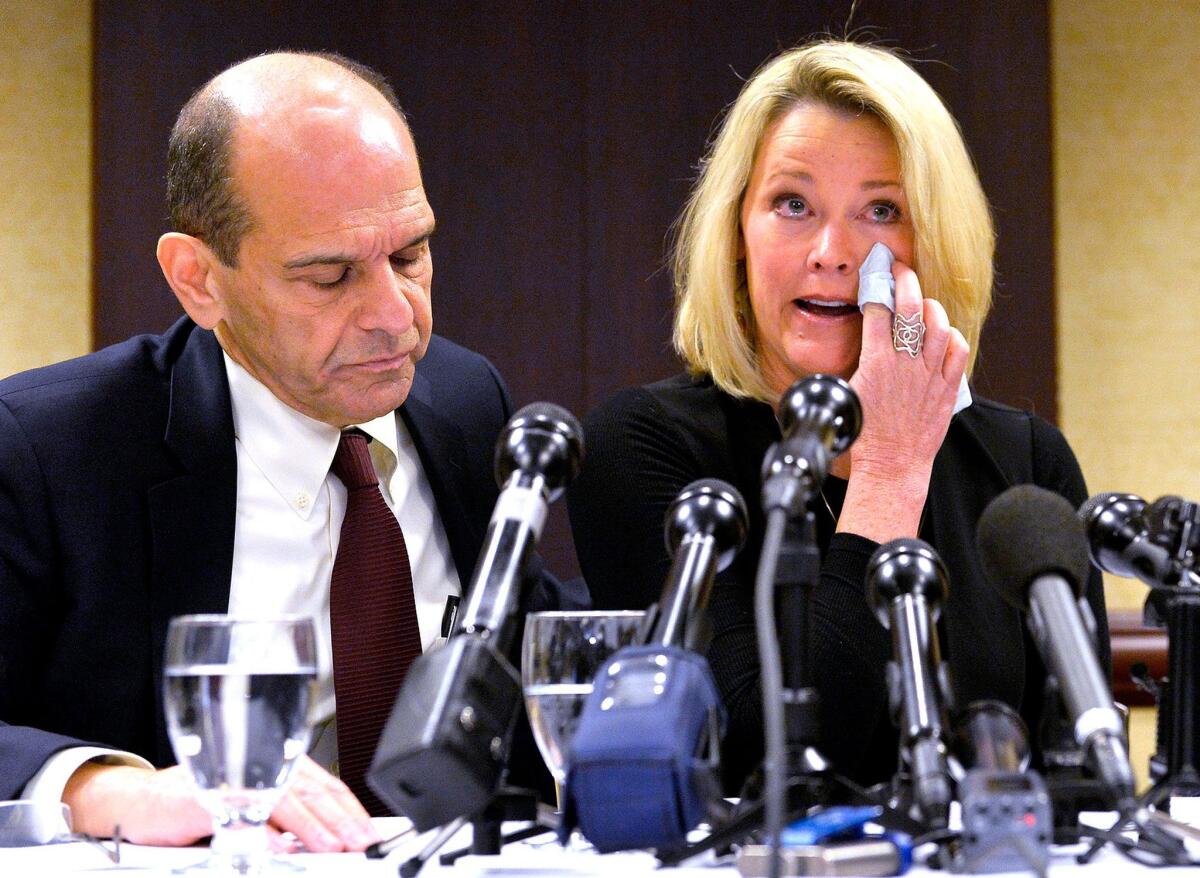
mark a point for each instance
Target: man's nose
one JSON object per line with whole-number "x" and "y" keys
{"x": 386, "y": 304}
{"x": 832, "y": 250}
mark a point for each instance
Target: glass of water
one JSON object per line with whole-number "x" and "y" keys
{"x": 560, "y": 655}
{"x": 237, "y": 695}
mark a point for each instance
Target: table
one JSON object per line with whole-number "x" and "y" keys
{"x": 537, "y": 858}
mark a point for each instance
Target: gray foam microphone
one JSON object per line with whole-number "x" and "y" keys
{"x": 1035, "y": 554}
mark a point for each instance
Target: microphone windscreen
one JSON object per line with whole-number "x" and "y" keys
{"x": 1028, "y": 532}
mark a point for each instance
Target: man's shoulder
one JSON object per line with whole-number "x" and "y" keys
{"x": 448, "y": 360}
{"x": 121, "y": 390}
{"x": 139, "y": 359}
{"x": 451, "y": 377}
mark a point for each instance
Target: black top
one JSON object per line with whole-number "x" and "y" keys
{"x": 647, "y": 443}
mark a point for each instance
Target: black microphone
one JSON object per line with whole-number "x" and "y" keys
{"x": 538, "y": 453}
{"x": 1119, "y": 541}
{"x": 1035, "y": 554}
{"x": 444, "y": 748}
{"x": 820, "y": 417}
{"x": 705, "y": 528}
{"x": 908, "y": 584}
{"x": 643, "y": 766}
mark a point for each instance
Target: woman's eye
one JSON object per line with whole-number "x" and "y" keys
{"x": 884, "y": 212}
{"x": 791, "y": 205}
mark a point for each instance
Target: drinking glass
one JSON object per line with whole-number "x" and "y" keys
{"x": 237, "y": 695}
{"x": 560, "y": 655}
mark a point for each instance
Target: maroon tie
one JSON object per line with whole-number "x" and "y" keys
{"x": 372, "y": 616}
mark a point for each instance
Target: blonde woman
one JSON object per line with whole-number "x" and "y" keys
{"x": 829, "y": 149}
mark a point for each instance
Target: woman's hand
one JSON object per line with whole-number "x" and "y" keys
{"x": 907, "y": 403}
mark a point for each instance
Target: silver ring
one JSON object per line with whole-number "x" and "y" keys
{"x": 908, "y": 334}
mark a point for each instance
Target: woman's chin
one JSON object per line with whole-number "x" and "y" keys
{"x": 842, "y": 367}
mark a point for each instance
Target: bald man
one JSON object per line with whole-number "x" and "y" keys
{"x": 190, "y": 472}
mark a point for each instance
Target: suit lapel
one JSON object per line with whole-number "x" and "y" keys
{"x": 440, "y": 446}
{"x": 192, "y": 515}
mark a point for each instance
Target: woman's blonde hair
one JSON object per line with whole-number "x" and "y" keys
{"x": 953, "y": 236}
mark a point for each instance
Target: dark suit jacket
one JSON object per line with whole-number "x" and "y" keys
{"x": 117, "y": 503}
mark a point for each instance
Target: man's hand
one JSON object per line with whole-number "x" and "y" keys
{"x": 321, "y": 811}
{"x": 160, "y": 807}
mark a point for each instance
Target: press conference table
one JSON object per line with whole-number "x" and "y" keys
{"x": 538, "y": 857}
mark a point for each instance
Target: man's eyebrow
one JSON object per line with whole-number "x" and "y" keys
{"x": 344, "y": 258}
{"x": 318, "y": 259}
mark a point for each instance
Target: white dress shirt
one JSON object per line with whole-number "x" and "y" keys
{"x": 288, "y": 525}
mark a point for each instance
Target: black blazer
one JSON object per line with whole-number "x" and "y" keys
{"x": 646, "y": 443}
{"x": 117, "y": 503}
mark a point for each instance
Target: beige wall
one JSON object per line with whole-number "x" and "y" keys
{"x": 45, "y": 182}
{"x": 1127, "y": 188}
{"x": 1127, "y": 216}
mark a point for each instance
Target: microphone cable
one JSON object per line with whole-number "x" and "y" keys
{"x": 771, "y": 681}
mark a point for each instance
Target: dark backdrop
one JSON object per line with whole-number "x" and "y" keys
{"x": 557, "y": 141}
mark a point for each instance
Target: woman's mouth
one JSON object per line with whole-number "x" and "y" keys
{"x": 825, "y": 309}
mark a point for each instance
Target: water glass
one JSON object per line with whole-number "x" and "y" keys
{"x": 237, "y": 695}
{"x": 560, "y": 656}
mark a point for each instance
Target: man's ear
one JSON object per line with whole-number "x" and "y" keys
{"x": 188, "y": 266}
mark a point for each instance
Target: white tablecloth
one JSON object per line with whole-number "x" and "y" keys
{"x": 535, "y": 858}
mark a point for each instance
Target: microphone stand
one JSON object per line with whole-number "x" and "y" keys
{"x": 1072, "y": 789}
{"x": 1180, "y": 702}
{"x": 1176, "y": 523}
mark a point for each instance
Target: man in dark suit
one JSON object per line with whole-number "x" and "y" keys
{"x": 178, "y": 474}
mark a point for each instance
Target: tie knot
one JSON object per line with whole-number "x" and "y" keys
{"x": 352, "y": 461}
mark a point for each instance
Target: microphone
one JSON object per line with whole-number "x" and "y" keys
{"x": 643, "y": 765}
{"x": 538, "y": 453}
{"x": 1119, "y": 541}
{"x": 1007, "y": 816}
{"x": 820, "y": 417}
{"x": 1035, "y": 554}
{"x": 705, "y": 528}
{"x": 991, "y": 736}
{"x": 908, "y": 584}
{"x": 443, "y": 750}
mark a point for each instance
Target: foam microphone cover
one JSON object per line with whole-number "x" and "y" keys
{"x": 1029, "y": 532}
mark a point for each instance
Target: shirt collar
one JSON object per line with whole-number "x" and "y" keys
{"x": 292, "y": 450}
